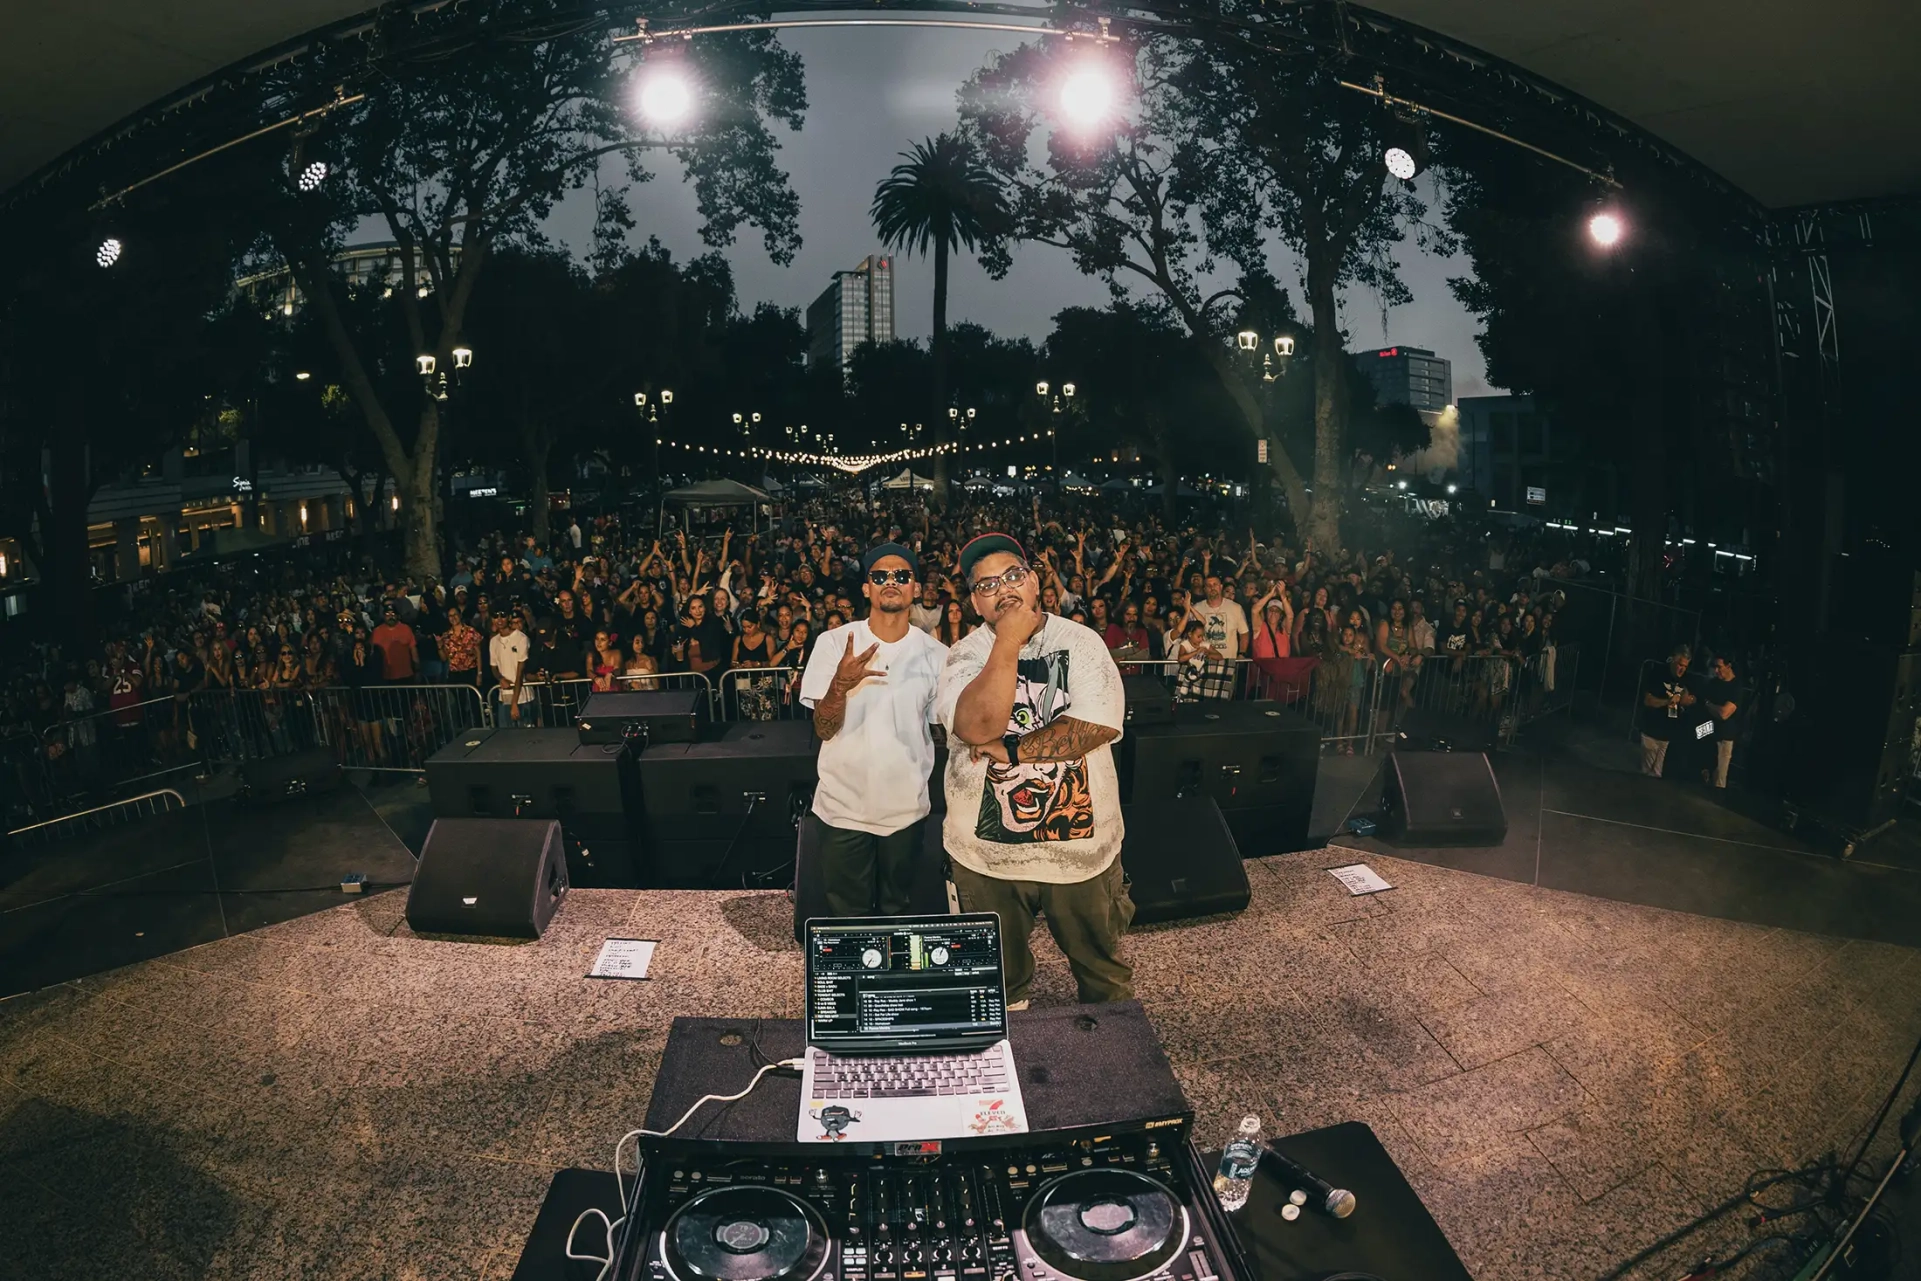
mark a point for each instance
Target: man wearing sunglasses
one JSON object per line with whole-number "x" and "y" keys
{"x": 871, "y": 684}
{"x": 1033, "y": 804}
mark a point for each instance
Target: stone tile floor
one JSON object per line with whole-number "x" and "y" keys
{"x": 1562, "y": 1078}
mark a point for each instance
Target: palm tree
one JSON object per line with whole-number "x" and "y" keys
{"x": 941, "y": 196}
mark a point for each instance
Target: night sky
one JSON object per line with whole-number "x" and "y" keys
{"x": 873, "y": 92}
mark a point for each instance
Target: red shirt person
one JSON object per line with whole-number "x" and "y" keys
{"x": 399, "y": 650}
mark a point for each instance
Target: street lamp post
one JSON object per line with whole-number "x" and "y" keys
{"x": 650, "y": 422}
{"x": 1054, "y": 401}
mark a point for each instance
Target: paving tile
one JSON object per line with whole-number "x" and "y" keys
{"x": 1493, "y": 1027}
{"x": 1453, "y": 1118}
{"x": 1592, "y": 1151}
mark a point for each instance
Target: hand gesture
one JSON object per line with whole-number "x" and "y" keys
{"x": 1020, "y": 624}
{"x": 853, "y": 668}
{"x": 995, "y": 751}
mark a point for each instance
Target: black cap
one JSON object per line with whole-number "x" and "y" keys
{"x": 874, "y": 553}
{"x": 987, "y": 545}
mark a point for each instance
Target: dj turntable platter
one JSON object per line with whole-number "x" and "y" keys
{"x": 1105, "y": 1225}
{"x": 745, "y": 1233}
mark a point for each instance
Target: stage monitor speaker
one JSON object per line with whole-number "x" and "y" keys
{"x": 283, "y": 778}
{"x": 749, "y": 787}
{"x": 1423, "y": 729}
{"x": 643, "y": 717}
{"x": 494, "y": 877}
{"x": 1442, "y": 798}
{"x": 928, "y": 896}
{"x": 591, "y": 790}
{"x": 1181, "y": 860}
{"x": 1257, "y": 760}
{"x": 1148, "y": 701}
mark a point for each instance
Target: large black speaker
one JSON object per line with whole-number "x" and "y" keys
{"x": 1181, "y": 860}
{"x": 1853, "y": 733}
{"x": 497, "y": 877}
{"x": 1442, "y": 798}
{"x": 747, "y": 788}
{"x": 1256, "y": 760}
{"x": 642, "y": 717}
{"x": 592, "y": 790}
{"x": 1147, "y": 701}
{"x": 929, "y": 894}
{"x": 282, "y": 778}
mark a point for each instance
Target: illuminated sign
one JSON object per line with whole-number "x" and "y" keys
{"x": 1391, "y": 351}
{"x": 241, "y": 485}
{"x": 1536, "y": 494}
{"x": 485, "y": 491}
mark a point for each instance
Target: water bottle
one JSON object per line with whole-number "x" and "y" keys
{"x": 1238, "y": 1161}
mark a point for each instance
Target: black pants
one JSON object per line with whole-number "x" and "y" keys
{"x": 864, "y": 873}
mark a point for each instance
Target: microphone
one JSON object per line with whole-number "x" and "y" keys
{"x": 1338, "y": 1202}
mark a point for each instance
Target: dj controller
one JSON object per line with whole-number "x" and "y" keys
{"x": 1124, "y": 1207}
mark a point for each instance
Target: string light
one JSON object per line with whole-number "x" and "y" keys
{"x": 847, "y": 462}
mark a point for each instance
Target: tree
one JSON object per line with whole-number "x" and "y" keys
{"x": 1227, "y": 145}
{"x": 533, "y": 317}
{"x": 101, "y": 371}
{"x": 944, "y": 195}
{"x": 464, "y": 155}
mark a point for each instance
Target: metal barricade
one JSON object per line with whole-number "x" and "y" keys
{"x": 762, "y": 694}
{"x": 551, "y": 704}
{"x": 94, "y": 754}
{"x": 67, "y": 826}
{"x": 1191, "y": 680}
{"x": 229, "y": 726}
{"x": 26, "y": 785}
{"x": 394, "y": 727}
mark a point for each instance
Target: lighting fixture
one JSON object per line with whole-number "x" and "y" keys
{"x": 1284, "y": 345}
{"x": 1087, "y": 95}
{"x": 313, "y": 175}
{"x": 1247, "y": 340}
{"x": 1605, "y": 228}
{"x": 463, "y": 357}
{"x": 424, "y": 365}
{"x": 302, "y": 376}
{"x": 1400, "y": 163}
{"x": 665, "y": 97}
{"x": 109, "y": 252}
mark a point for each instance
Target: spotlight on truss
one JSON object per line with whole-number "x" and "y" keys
{"x": 1400, "y": 163}
{"x": 313, "y": 175}
{"x": 666, "y": 98}
{"x": 1605, "y": 228}
{"x": 108, "y": 253}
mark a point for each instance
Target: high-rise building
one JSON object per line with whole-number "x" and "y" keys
{"x": 858, "y": 307}
{"x": 1408, "y": 376}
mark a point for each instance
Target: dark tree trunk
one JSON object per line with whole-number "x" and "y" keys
{"x": 1330, "y": 409}
{"x": 939, "y": 352}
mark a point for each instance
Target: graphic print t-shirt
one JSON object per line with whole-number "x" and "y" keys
{"x": 1056, "y": 822}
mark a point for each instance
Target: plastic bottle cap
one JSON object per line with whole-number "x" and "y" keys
{"x": 1250, "y": 1125}
{"x": 1297, "y": 1197}
{"x": 1290, "y": 1212}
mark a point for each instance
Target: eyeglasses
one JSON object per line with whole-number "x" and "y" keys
{"x": 878, "y": 577}
{"x": 1012, "y": 576}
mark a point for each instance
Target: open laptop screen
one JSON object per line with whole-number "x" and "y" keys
{"x": 879, "y": 984}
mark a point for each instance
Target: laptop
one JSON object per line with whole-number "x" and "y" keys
{"x": 907, "y": 1031}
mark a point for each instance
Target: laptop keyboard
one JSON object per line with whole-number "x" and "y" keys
{"x": 918, "y": 1076}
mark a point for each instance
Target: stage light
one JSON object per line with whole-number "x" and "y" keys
{"x": 109, "y": 252}
{"x": 1400, "y": 163}
{"x": 666, "y": 98}
{"x": 1087, "y": 96}
{"x": 313, "y": 175}
{"x": 1605, "y": 228}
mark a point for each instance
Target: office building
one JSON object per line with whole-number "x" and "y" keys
{"x": 858, "y": 307}
{"x": 1408, "y": 376}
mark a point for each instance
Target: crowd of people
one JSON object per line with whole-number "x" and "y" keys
{"x": 617, "y": 599}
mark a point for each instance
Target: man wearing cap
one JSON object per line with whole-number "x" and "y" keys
{"x": 1033, "y": 803}
{"x": 871, "y": 685}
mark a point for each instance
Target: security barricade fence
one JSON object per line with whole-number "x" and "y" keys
{"x": 762, "y": 694}
{"x": 1357, "y": 703}
{"x": 93, "y": 754}
{"x": 112, "y": 814}
{"x": 393, "y": 727}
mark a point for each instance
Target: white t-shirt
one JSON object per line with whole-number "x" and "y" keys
{"x": 926, "y": 617}
{"x": 1057, "y": 822}
{"x": 1226, "y": 624}
{"x": 506, "y": 654}
{"x": 873, "y": 772}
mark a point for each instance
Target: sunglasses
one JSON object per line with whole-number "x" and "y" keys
{"x": 1012, "y": 576}
{"x": 880, "y": 577}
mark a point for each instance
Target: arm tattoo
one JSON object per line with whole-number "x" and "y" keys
{"x": 1064, "y": 739}
{"x": 830, "y": 713}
